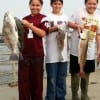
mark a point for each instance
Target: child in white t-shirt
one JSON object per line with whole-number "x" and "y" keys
{"x": 88, "y": 19}
{"x": 57, "y": 52}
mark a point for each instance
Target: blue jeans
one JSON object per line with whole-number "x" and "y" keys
{"x": 56, "y": 80}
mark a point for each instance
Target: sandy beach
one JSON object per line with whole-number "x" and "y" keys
{"x": 11, "y": 93}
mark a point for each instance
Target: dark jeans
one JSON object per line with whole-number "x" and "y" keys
{"x": 30, "y": 78}
{"x": 56, "y": 80}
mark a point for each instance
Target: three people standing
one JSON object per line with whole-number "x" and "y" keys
{"x": 30, "y": 72}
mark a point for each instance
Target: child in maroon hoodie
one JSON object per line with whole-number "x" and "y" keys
{"x": 30, "y": 69}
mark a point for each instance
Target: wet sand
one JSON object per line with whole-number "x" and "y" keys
{"x": 11, "y": 93}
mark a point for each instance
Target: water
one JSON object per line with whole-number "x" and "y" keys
{"x": 5, "y": 63}
{"x": 8, "y": 69}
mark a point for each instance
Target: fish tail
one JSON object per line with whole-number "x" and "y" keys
{"x": 60, "y": 56}
{"x": 98, "y": 63}
{"x": 14, "y": 57}
{"x": 20, "y": 56}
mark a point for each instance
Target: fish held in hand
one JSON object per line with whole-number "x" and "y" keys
{"x": 60, "y": 43}
{"x": 21, "y": 31}
{"x": 10, "y": 32}
{"x": 83, "y": 46}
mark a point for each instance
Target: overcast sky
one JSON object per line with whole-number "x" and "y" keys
{"x": 20, "y": 8}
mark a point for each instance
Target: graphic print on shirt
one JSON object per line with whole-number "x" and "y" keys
{"x": 91, "y": 24}
{"x": 51, "y": 23}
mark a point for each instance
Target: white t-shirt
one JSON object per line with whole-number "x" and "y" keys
{"x": 81, "y": 17}
{"x": 52, "y": 54}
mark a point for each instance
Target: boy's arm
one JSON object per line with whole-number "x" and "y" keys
{"x": 75, "y": 26}
{"x": 35, "y": 29}
{"x": 52, "y": 29}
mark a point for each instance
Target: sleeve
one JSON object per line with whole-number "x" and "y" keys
{"x": 72, "y": 18}
{"x": 44, "y": 24}
{"x": 75, "y": 16}
{"x": 67, "y": 20}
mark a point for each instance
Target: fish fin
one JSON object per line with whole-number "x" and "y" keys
{"x": 20, "y": 56}
{"x": 60, "y": 56}
{"x": 14, "y": 57}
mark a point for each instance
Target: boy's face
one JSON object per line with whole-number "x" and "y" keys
{"x": 91, "y": 6}
{"x": 56, "y": 6}
{"x": 35, "y": 7}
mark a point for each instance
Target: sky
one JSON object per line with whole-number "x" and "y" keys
{"x": 20, "y": 8}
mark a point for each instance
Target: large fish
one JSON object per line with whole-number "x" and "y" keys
{"x": 10, "y": 31}
{"x": 83, "y": 46}
{"x": 20, "y": 33}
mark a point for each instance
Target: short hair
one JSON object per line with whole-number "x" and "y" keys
{"x": 41, "y": 1}
{"x": 87, "y": 1}
{"x": 52, "y": 1}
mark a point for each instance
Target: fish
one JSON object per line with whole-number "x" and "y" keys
{"x": 82, "y": 50}
{"x": 98, "y": 63}
{"x": 60, "y": 42}
{"x": 21, "y": 32}
{"x": 10, "y": 31}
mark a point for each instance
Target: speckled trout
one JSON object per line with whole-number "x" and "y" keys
{"x": 60, "y": 43}
{"x": 11, "y": 36}
{"x": 83, "y": 46}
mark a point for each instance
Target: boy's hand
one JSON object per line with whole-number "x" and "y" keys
{"x": 26, "y": 23}
{"x": 62, "y": 27}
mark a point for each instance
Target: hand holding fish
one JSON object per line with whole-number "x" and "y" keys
{"x": 35, "y": 29}
{"x": 26, "y": 23}
{"x": 79, "y": 29}
{"x": 82, "y": 73}
{"x": 62, "y": 27}
{"x": 76, "y": 26}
